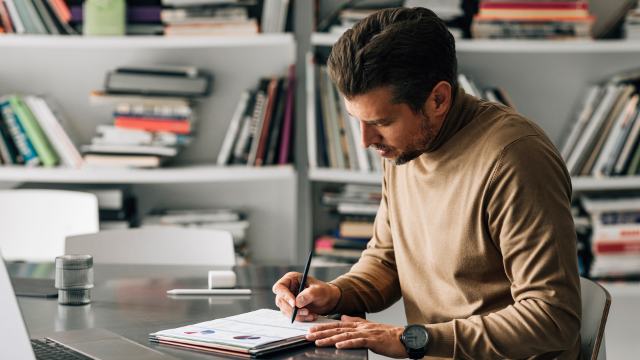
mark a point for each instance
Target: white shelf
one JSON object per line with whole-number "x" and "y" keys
{"x": 602, "y": 184}
{"x": 141, "y": 42}
{"x": 189, "y": 174}
{"x": 579, "y": 183}
{"x": 344, "y": 176}
{"x": 520, "y": 46}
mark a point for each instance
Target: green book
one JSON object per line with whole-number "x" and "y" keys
{"x": 40, "y": 142}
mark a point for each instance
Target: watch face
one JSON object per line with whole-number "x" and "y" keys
{"x": 415, "y": 337}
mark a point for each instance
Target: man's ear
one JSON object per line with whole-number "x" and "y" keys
{"x": 439, "y": 101}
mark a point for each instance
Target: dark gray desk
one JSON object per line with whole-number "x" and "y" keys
{"x": 132, "y": 301}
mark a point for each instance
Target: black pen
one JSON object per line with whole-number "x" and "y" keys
{"x": 302, "y": 282}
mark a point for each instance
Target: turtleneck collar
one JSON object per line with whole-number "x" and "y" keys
{"x": 461, "y": 113}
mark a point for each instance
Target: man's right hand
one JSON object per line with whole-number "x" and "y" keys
{"x": 318, "y": 298}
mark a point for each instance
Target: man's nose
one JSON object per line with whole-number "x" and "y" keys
{"x": 369, "y": 135}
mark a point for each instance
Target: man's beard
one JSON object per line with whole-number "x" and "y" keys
{"x": 419, "y": 146}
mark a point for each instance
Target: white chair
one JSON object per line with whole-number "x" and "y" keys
{"x": 595, "y": 309}
{"x": 156, "y": 246}
{"x": 34, "y": 222}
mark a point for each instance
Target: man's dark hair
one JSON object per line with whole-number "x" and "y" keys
{"x": 410, "y": 50}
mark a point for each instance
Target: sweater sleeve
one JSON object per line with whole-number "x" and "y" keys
{"x": 372, "y": 283}
{"x": 529, "y": 220}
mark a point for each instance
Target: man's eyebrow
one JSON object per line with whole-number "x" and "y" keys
{"x": 372, "y": 122}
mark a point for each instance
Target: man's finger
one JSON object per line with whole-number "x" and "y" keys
{"x": 284, "y": 293}
{"x": 326, "y": 333}
{"x": 349, "y": 335}
{"x": 334, "y": 325}
{"x": 353, "y": 344}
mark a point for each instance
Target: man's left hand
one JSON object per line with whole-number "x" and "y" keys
{"x": 355, "y": 332}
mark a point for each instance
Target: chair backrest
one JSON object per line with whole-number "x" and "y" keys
{"x": 156, "y": 246}
{"x": 595, "y": 309}
{"x": 35, "y": 222}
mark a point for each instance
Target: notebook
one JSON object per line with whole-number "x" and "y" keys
{"x": 251, "y": 334}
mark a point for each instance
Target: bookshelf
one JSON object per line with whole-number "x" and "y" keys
{"x": 67, "y": 68}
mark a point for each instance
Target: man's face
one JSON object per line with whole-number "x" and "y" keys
{"x": 393, "y": 129}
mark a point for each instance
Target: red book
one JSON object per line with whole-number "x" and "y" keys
{"x": 617, "y": 247}
{"x": 536, "y": 5}
{"x": 152, "y": 124}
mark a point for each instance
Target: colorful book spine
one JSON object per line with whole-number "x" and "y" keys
{"x": 34, "y": 132}
{"x": 152, "y": 124}
{"x": 20, "y": 139}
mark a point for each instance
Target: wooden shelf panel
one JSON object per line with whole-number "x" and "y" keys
{"x": 187, "y": 174}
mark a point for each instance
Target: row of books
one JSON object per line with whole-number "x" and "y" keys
{"x": 31, "y": 134}
{"x": 354, "y": 208}
{"x": 499, "y": 19}
{"x": 35, "y": 17}
{"x": 153, "y": 117}
{"x": 604, "y": 139}
{"x": 615, "y": 240}
{"x": 261, "y": 129}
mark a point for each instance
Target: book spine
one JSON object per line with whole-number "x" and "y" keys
{"x": 263, "y": 134}
{"x": 14, "y": 156}
{"x": 34, "y": 132}
{"x": 20, "y": 139}
{"x": 178, "y": 127}
{"x": 287, "y": 130}
{"x": 232, "y": 132}
{"x": 19, "y": 25}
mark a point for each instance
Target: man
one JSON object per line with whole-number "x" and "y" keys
{"x": 474, "y": 229}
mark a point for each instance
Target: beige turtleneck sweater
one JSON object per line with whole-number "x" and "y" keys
{"x": 476, "y": 235}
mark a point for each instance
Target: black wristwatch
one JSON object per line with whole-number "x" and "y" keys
{"x": 415, "y": 339}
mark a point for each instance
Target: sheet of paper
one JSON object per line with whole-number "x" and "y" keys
{"x": 245, "y": 330}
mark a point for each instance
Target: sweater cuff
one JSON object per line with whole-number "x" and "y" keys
{"x": 343, "y": 305}
{"x": 441, "y": 340}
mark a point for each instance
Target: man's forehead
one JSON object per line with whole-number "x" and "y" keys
{"x": 372, "y": 105}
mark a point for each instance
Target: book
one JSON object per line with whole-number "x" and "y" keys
{"x": 587, "y": 107}
{"x": 264, "y": 127}
{"x": 34, "y": 132}
{"x": 287, "y": 125}
{"x": 275, "y": 132}
{"x": 27, "y": 152}
{"x": 55, "y": 131}
{"x": 142, "y": 161}
{"x": 17, "y": 23}
{"x": 251, "y": 334}
{"x": 156, "y": 83}
{"x": 5, "y": 19}
{"x": 153, "y": 124}
{"x": 625, "y": 154}
{"x": 103, "y": 98}
{"x": 224, "y": 154}
{"x": 129, "y": 149}
{"x": 45, "y": 15}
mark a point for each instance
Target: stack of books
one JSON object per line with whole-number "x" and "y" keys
{"x": 604, "y": 138}
{"x": 355, "y": 207}
{"x": 228, "y": 17}
{"x": 261, "y": 129}
{"x": 233, "y": 221}
{"x": 616, "y": 236}
{"x": 351, "y": 14}
{"x": 506, "y": 19}
{"x": 35, "y": 17}
{"x": 632, "y": 24}
{"x": 153, "y": 116}
{"x": 142, "y": 16}
{"x": 32, "y": 134}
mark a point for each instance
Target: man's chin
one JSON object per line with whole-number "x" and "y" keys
{"x": 405, "y": 157}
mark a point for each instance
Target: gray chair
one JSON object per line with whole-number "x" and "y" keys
{"x": 596, "y": 302}
{"x": 156, "y": 246}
